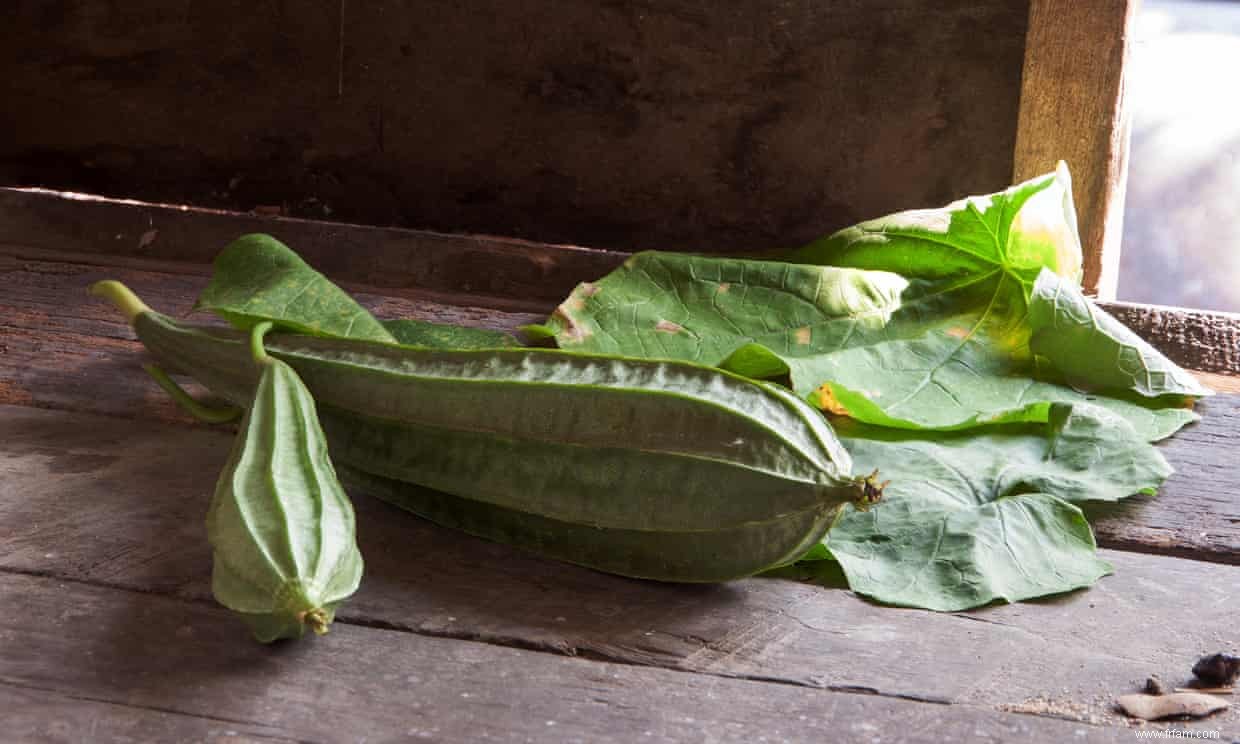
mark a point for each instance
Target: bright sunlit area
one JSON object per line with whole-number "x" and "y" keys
{"x": 1182, "y": 220}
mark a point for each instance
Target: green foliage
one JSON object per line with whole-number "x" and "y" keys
{"x": 951, "y": 349}
{"x": 974, "y": 516}
{"x": 947, "y": 345}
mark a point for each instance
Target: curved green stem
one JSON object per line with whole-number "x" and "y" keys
{"x": 121, "y": 296}
{"x": 256, "y": 342}
{"x": 209, "y": 414}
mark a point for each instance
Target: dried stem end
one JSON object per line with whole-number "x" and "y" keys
{"x": 317, "y": 619}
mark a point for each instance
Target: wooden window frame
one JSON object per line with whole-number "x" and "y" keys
{"x": 1072, "y": 108}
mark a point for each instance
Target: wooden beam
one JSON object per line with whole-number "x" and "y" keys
{"x": 86, "y": 663}
{"x": 1072, "y": 109}
{"x": 1205, "y": 340}
{"x": 395, "y": 259}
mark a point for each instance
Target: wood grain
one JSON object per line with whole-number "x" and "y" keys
{"x": 677, "y": 124}
{"x": 118, "y": 503}
{"x": 1197, "y": 511}
{"x": 1197, "y": 339}
{"x": 33, "y": 222}
{"x": 1072, "y": 109}
{"x": 94, "y": 661}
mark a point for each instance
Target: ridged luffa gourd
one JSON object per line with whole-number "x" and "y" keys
{"x": 654, "y": 469}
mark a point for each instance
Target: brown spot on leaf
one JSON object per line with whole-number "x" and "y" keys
{"x": 667, "y": 326}
{"x": 574, "y": 331}
{"x": 723, "y": 287}
{"x": 958, "y": 332}
{"x": 574, "y": 303}
{"x": 802, "y": 335}
{"x": 826, "y": 400}
{"x": 587, "y": 289}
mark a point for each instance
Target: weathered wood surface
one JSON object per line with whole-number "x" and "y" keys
{"x": 96, "y": 664}
{"x": 34, "y": 715}
{"x": 59, "y": 347}
{"x": 678, "y": 124}
{"x": 511, "y": 270}
{"x": 1197, "y": 339}
{"x": 118, "y": 503}
{"x": 1197, "y": 511}
{"x": 1072, "y": 108}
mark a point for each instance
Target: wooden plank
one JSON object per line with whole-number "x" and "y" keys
{"x": 675, "y": 124}
{"x": 1219, "y": 383}
{"x": 387, "y": 258}
{"x": 1072, "y": 109}
{"x": 109, "y": 501}
{"x": 1197, "y": 512}
{"x": 171, "y": 658}
{"x": 36, "y": 715}
{"x": 1197, "y": 339}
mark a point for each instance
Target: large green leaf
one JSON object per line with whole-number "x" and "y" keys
{"x": 881, "y": 348}
{"x": 679, "y": 306}
{"x": 259, "y": 278}
{"x": 973, "y": 517}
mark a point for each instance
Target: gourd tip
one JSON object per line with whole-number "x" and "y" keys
{"x": 121, "y": 296}
{"x": 317, "y": 620}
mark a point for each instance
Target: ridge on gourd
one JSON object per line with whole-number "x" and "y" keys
{"x": 590, "y": 442}
{"x": 280, "y": 525}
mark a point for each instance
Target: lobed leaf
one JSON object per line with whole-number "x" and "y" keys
{"x": 973, "y": 517}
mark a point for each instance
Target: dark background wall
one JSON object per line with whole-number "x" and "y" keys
{"x": 680, "y": 124}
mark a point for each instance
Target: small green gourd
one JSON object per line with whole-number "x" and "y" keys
{"x": 280, "y": 524}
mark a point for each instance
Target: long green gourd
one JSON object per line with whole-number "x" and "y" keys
{"x": 280, "y": 525}
{"x": 688, "y": 473}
